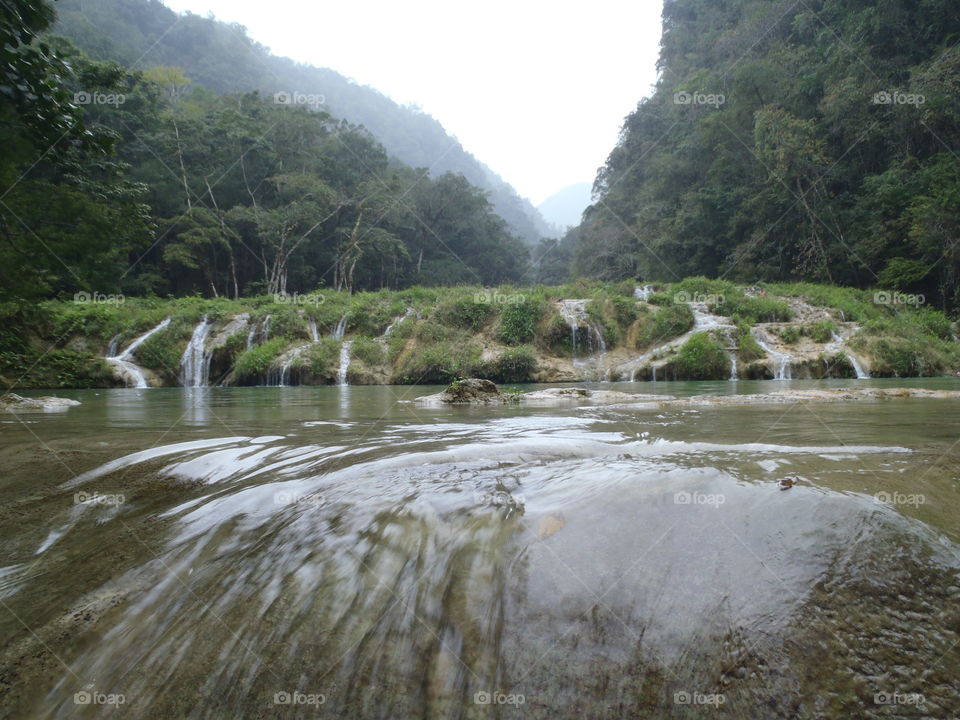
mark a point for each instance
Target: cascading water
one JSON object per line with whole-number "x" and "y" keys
{"x": 574, "y": 312}
{"x": 396, "y": 321}
{"x": 258, "y": 335}
{"x": 733, "y": 367}
{"x": 340, "y": 329}
{"x": 132, "y": 374}
{"x": 781, "y": 362}
{"x": 312, "y": 327}
{"x": 643, "y": 293}
{"x": 703, "y": 321}
{"x": 195, "y": 363}
{"x": 344, "y": 363}
{"x": 836, "y": 345}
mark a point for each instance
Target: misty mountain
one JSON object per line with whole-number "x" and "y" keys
{"x": 224, "y": 58}
{"x": 564, "y": 208}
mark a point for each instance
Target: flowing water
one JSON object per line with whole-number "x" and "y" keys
{"x": 132, "y": 373}
{"x": 781, "y": 363}
{"x": 339, "y": 552}
{"x": 195, "y": 363}
{"x": 344, "y": 366}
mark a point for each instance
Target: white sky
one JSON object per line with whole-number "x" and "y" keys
{"x": 535, "y": 89}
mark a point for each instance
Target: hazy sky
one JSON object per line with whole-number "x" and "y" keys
{"x": 537, "y": 90}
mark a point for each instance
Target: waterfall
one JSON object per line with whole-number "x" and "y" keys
{"x": 112, "y": 346}
{"x": 643, "y": 293}
{"x": 654, "y": 379}
{"x": 574, "y": 312}
{"x": 312, "y": 327}
{"x": 396, "y": 321}
{"x": 340, "y": 329}
{"x": 733, "y": 367}
{"x": 781, "y": 362}
{"x": 195, "y": 363}
{"x": 344, "y": 363}
{"x": 836, "y": 345}
{"x": 703, "y": 321}
{"x": 132, "y": 374}
{"x": 258, "y": 336}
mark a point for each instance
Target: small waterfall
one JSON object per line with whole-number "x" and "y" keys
{"x": 258, "y": 336}
{"x": 837, "y": 344}
{"x": 132, "y": 374}
{"x": 654, "y": 379}
{"x": 113, "y": 346}
{"x": 781, "y": 362}
{"x": 396, "y": 321}
{"x": 344, "y": 362}
{"x": 733, "y": 367}
{"x": 312, "y": 327}
{"x": 574, "y": 312}
{"x": 195, "y": 363}
{"x": 340, "y": 329}
{"x": 703, "y": 321}
{"x": 643, "y": 293}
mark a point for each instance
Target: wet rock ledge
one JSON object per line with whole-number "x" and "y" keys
{"x": 11, "y": 402}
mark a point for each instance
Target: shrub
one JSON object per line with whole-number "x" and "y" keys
{"x": 322, "y": 358}
{"x": 514, "y": 365}
{"x": 466, "y": 312}
{"x": 367, "y": 351}
{"x": 790, "y": 335}
{"x": 821, "y": 331}
{"x": 439, "y": 363}
{"x": 665, "y": 324}
{"x": 753, "y": 309}
{"x": 702, "y": 357}
{"x": 518, "y": 321}
{"x": 748, "y": 349}
{"x": 254, "y": 363}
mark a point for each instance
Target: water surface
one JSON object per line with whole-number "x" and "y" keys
{"x": 341, "y": 552}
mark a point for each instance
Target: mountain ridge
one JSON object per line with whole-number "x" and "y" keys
{"x": 224, "y": 58}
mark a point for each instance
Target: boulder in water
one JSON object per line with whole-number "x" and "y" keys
{"x": 11, "y": 402}
{"x": 471, "y": 391}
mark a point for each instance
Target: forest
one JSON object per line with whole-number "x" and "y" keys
{"x": 788, "y": 141}
{"x": 145, "y": 182}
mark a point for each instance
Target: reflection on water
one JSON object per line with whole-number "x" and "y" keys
{"x": 291, "y": 552}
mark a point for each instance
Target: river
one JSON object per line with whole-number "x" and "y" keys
{"x": 341, "y": 552}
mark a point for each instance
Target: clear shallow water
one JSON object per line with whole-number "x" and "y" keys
{"x": 202, "y": 552}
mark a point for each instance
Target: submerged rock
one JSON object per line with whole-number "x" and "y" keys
{"x": 472, "y": 391}
{"x": 11, "y": 402}
{"x": 562, "y": 396}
